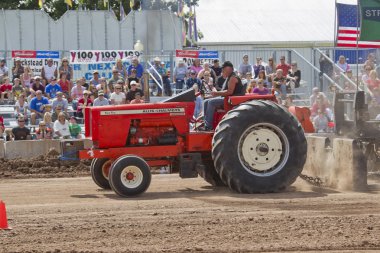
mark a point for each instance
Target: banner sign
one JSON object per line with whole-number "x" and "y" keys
{"x": 36, "y": 59}
{"x": 101, "y": 56}
{"x": 370, "y": 22}
{"x": 188, "y": 56}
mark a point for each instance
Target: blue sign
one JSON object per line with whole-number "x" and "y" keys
{"x": 47, "y": 54}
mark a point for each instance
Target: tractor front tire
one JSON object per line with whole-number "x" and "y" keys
{"x": 259, "y": 147}
{"x": 99, "y": 171}
{"x": 129, "y": 176}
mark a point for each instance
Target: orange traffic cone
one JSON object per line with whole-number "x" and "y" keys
{"x": 3, "y": 216}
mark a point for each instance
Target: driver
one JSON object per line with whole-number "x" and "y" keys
{"x": 232, "y": 86}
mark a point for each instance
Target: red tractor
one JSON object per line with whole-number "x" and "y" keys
{"x": 257, "y": 145}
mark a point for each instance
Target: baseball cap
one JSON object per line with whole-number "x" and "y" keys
{"x": 100, "y": 93}
{"x": 95, "y": 72}
{"x": 227, "y": 64}
{"x": 157, "y": 59}
{"x": 193, "y": 72}
{"x": 133, "y": 83}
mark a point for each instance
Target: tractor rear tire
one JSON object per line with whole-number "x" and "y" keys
{"x": 259, "y": 147}
{"x": 209, "y": 173}
{"x": 99, "y": 171}
{"x": 129, "y": 176}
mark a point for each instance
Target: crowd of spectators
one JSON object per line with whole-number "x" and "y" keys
{"x": 42, "y": 102}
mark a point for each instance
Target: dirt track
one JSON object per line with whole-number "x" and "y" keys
{"x": 72, "y": 214}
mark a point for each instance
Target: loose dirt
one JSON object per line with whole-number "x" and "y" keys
{"x": 176, "y": 215}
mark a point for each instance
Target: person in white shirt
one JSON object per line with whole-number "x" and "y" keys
{"x": 117, "y": 97}
{"x": 48, "y": 71}
{"x": 61, "y": 127}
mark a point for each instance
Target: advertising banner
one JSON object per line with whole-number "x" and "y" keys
{"x": 188, "y": 56}
{"x": 100, "y": 56}
{"x": 36, "y": 59}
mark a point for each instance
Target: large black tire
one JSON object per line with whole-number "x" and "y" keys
{"x": 259, "y": 147}
{"x": 209, "y": 173}
{"x": 129, "y": 176}
{"x": 99, "y": 172}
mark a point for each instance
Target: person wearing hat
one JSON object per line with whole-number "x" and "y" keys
{"x": 118, "y": 96}
{"x": 95, "y": 80}
{"x": 3, "y": 70}
{"x": 74, "y": 128}
{"x": 59, "y": 100}
{"x": 231, "y": 87}
{"x": 193, "y": 79}
{"x": 113, "y": 80}
{"x": 217, "y": 68}
{"x": 132, "y": 77}
{"x": 244, "y": 67}
{"x": 101, "y": 100}
{"x": 43, "y": 132}
{"x": 179, "y": 75}
{"x": 137, "y": 66}
{"x": 132, "y": 92}
{"x": 17, "y": 69}
{"x": 37, "y": 85}
{"x": 83, "y": 103}
{"x": 52, "y": 88}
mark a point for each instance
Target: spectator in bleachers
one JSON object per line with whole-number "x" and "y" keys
{"x": 350, "y": 75}
{"x": 320, "y": 122}
{"x": 75, "y": 129}
{"x": 48, "y": 71}
{"x": 21, "y": 132}
{"x": 217, "y": 68}
{"x": 17, "y": 89}
{"x": 121, "y": 83}
{"x": 288, "y": 101}
{"x": 137, "y": 66}
{"x": 179, "y": 75}
{"x": 59, "y": 100}
{"x": 342, "y": 64}
{"x": 77, "y": 92}
{"x": 94, "y": 92}
{"x": 32, "y": 95}
{"x": 121, "y": 69}
{"x": 52, "y": 88}
{"x": 132, "y": 92}
{"x": 370, "y": 61}
{"x": 113, "y": 80}
{"x": 43, "y": 132}
{"x": 3, "y": 70}
{"x": 83, "y": 103}
{"x": 270, "y": 71}
{"x": 244, "y": 67}
{"x": 104, "y": 87}
{"x": 95, "y": 80}
{"x": 283, "y": 66}
{"x": 48, "y": 119}
{"x": 132, "y": 77}
{"x": 26, "y": 78}
{"x": 365, "y": 76}
{"x": 193, "y": 80}
{"x": 321, "y": 103}
{"x": 66, "y": 68}
{"x": 207, "y": 85}
{"x": 37, "y": 85}
{"x": 54, "y": 116}
{"x": 251, "y": 86}
{"x": 293, "y": 78}
{"x": 101, "y": 100}
{"x": 279, "y": 83}
{"x": 138, "y": 99}
{"x": 2, "y": 128}
{"x": 84, "y": 83}
{"x": 314, "y": 94}
{"x": 37, "y": 107}
{"x": 258, "y": 67}
{"x": 166, "y": 80}
{"x": 260, "y": 89}
{"x": 17, "y": 69}
{"x": 373, "y": 82}
{"x": 221, "y": 80}
{"x": 196, "y": 66}
{"x": 118, "y": 97}
{"x": 206, "y": 68}
{"x": 61, "y": 127}
{"x": 21, "y": 106}
{"x": 247, "y": 80}
{"x": 263, "y": 77}
{"x": 65, "y": 85}
{"x": 158, "y": 73}
{"x": 6, "y": 90}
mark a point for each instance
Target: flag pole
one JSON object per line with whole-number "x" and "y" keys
{"x": 335, "y": 32}
{"x": 357, "y": 45}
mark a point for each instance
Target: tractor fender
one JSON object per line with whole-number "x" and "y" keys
{"x": 303, "y": 116}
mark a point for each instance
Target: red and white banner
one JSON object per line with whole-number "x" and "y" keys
{"x": 36, "y": 59}
{"x": 101, "y": 56}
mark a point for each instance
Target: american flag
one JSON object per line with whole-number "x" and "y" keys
{"x": 348, "y": 33}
